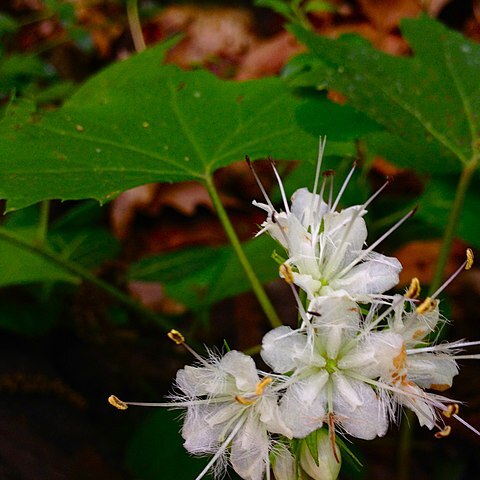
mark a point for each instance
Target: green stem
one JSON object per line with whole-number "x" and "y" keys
{"x": 405, "y": 447}
{"x": 452, "y": 222}
{"x": 247, "y": 267}
{"x": 85, "y": 275}
{"x": 43, "y": 223}
{"x": 135, "y": 25}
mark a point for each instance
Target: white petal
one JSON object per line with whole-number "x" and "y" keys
{"x": 282, "y": 347}
{"x": 368, "y": 419}
{"x": 375, "y": 275}
{"x": 242, "y": 368}
{"x": 303, "y": 406}
{"x": 302, "y": 203}
{"x": 198, "y": 381}
{"x": 199, "y": 436}
{"x": 429, "y": 370}
{"x": 270, "y": 415}
{"x": 250, "y": 450}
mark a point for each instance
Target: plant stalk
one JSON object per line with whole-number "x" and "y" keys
{"x": 452, "y": 223}
{"x": 43, "y": 223}
{"x": 135, "y": 25}
{"x": 247, "y": 267}
{"x": 85, "y": 275}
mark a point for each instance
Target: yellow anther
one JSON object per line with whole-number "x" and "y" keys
{"x": 176, "y": 336}
{"x": 286, "y": 272}
{"x": 428, "y": 305}
{"x": 444, "y": 433}
{"x": 117, "y": 403}
{"x": 469, "y": 264}
{"x": 243, "y": 400}
{"x": 452, "y": 409}
{"x": 414, "y": 288}
{"x": 262, "y": 384}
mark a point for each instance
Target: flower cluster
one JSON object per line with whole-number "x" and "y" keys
{"x": 357, "y": 357}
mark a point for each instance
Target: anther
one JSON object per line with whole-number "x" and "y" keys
{"x": 117, "y": 403}
{"x": 428, "y": 305}
{"x": 176, "y": 336}
{"x": 286, "y": 272}
{"x": 249, "y": 162}
{"x": 469, "y": 263}
{"x": 451, "y": 410}
{"x": 262, "y": 384}
{"x": 328, "y": 173}
{"x": 444, "y": 433}
{"x": 243, "y": 400}
{"x": 414, "y": 289}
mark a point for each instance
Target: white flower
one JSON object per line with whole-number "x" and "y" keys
{"x": 228, "y": 405}
{"x": 325, "y": 362}
{"x": 325, "y": 247}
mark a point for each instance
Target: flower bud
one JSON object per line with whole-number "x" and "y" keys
{"x": 327, "y": 466}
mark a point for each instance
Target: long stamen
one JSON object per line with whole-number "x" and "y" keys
{"x": 282, "y": 190}
{"x": 359, "y": 211}
{"x": 287, "y": 274}
{"x": 222, "y": 448}
{"x": 321, "y": 149}
{"x": 179, "y": 339}
{"x": 344, "y": 186}
{"x": 464, "y": 422}
{"x": 467, "y": 264}
{"x": 443, "y": 347}
{"x": 376, "y": 243}
{"x": 259, "y": 182}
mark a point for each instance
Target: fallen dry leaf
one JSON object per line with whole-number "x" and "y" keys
{"x": 268, "y": 57}
{"x": 420, "y": 257}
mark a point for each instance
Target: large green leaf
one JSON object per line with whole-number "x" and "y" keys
{"x": 198, "y": 277}
{"x": 140, "y": 121}
{"x": 430, "y": 102}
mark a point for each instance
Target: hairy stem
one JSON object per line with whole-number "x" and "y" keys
{"x": 135, "y": 25}
{"x": 247, "y": 267}
{"x": 78, "y": 271}
{"x": 452, "y": 222}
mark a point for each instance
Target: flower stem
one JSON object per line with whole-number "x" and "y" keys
{"x": 135, "y": 25}
{"x": 247, "y": 267}
{"x": 405, "y": 447}
{"x": 78, "y": 271}
{"x": 452, "y": 222}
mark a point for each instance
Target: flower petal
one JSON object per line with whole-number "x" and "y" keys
{"x": 242, "y": 368}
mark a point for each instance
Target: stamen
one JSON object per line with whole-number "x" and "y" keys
{"x": 262, "y": 385}
{"x": 344, "y": 186}
{"x": 331, "y": 434}
{"x": 176, "y": 336}
{"x": 376, "y": 243}
{"x": 321, "y": 149}
{"x": 444, "y": 433}
{"x": 466, "y": 424}
{"x": 117, "y": 403}
{"x": 414, "y": 289}
{"x": 259, "y": 183}
{"x": 243, "y": 400}
{"x": 282, "y": 190}
{"x": 286, "y": 273}
{"x": 179, "y": 339}
{"x": 428, "y": 305}
{"x": 451, "y": 410}
{"x": 469, "y": 263}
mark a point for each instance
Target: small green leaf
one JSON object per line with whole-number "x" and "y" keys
{"x": 311, "y": 441}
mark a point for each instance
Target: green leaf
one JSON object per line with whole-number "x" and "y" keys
{"x": 430, "y": 101}
{"x": 139, "y": 121}
{"x": 18, "y": 266}
{"x": 198, "y": 277}
{"x": 156, "y": 450}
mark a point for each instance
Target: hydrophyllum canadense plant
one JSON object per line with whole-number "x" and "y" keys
{"x": 356, "y": 359}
